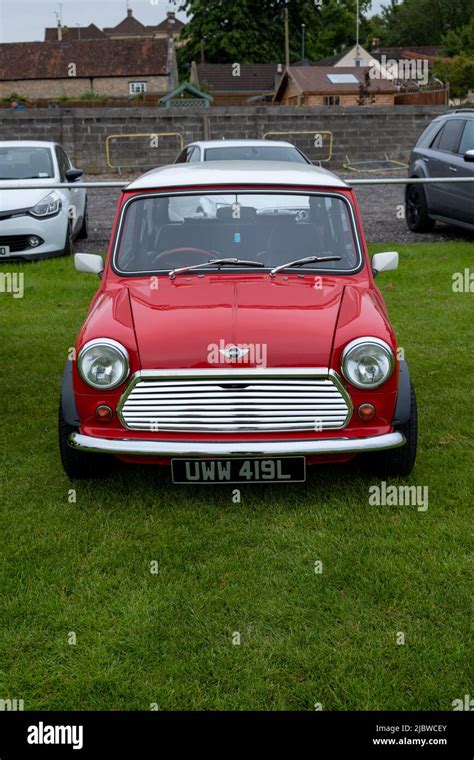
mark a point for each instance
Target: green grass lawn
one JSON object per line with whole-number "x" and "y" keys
{"x": 167, "y": 638}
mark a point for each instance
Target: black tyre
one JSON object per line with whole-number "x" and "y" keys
{"x": 80, "y": 465}
{"x": 83, "y": 232}
{"x": 416, "y": 210}
{"x": 398, "y": 462}
{"x": 68, "y": 249}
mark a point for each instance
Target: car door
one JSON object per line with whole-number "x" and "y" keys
{"x": 74, "y": 197}
{"x": 464, "y": 191}
{"x": 444, "y": 196}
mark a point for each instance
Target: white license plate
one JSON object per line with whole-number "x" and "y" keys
{"x": 239, "y": 470}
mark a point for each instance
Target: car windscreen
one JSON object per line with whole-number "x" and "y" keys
{"x": 159, "y": 233}
{"x": 254, "y": 153}
{"x": 21, "y": 162}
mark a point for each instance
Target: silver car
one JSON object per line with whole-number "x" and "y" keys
{"x": 36, "y": 222}
{"x": 445, "y": 149}
{"x": 241, "y": 150}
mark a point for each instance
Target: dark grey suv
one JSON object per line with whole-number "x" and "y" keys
{"x": 445, "y": 149}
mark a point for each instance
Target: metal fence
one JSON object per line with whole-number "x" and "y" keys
{"x": 349, "y": 182}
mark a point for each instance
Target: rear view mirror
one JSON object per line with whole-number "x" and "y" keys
{"x": 469, "y": 156}
{"x": 89, "y": 262}
{"x": 385, "y": 262}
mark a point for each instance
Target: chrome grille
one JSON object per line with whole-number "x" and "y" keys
{"x": 235, "y": 402}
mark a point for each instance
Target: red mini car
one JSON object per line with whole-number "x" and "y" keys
{"x": 237, "y": 333}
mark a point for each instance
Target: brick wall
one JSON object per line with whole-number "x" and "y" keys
{"x": 358, "y": 132}
{"x": 75, "y": 86}
{"x": 348, "y": 101}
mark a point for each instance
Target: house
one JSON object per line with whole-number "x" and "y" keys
{"x": 61, "y": 33}
{"x": 355, "y": 56}
{"x": 116, "y": 68}
{"x": 333, "y": 86}
{"x": 128, "y": 28}
{"x": 234, "y": 84}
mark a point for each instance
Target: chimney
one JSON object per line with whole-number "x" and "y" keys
{"x": 60, "y": 32}
{"x": 375, "y": 44}
{"x": 171, "y": 14}
{"x": 129, "y": 12}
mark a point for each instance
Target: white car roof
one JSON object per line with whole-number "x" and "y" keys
{"x": 27, "y": 144}
{"x": 239, "y": 143}
{"x": 236, "y": 173}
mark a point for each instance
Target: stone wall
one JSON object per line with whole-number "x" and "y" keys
{"x": 361, "y": 133}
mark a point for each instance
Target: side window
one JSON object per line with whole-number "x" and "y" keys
{"x": 448, "y": 138}
{"x": 467, "y": 139}
{"x": 183, "y": 156}
{"x": 194, "y": 155}
{"x": 426, "y": 137}
{"x": 63, "y": 163}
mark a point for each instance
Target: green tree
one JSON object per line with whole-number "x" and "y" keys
{"x": 458, "y": 41}
{"x": 252, "y": 31}
{"x": 459, "y": 73}
{"x": 420, "y": 22}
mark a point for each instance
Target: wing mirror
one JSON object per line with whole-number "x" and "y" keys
{"x": 384, "y": 262}
{"x": 89, "y": 262}
{"x": 72, "y": 175}
{"x": 469, "y": 156}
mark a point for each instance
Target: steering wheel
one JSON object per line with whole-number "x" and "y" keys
{"x": 186, "y": 248}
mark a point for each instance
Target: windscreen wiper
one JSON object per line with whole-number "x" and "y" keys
{"x": 218, "y": 263}
{"x": 301, "y": 262}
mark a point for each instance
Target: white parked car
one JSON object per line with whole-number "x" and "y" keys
{"x": 241, "y": 150}
{"x": 36, "y": 222}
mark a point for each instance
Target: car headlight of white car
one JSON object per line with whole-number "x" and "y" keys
{"x": 103, "y": 363}
{"x": 47, "y": 206}
{"x": 367, "y": 362}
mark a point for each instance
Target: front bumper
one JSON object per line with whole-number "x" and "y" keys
{"x": 51, "y": 230}
{"x": 124, "y": 447}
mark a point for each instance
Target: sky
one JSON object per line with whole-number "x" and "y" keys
{"x": 23, "y": 20}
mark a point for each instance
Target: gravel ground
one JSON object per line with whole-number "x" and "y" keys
{"x": 381, "y": 208}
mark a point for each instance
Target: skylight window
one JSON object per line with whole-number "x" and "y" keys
{"x": 342, "y": 79}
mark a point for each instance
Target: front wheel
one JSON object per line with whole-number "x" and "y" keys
{"x": 416, "y": 210}
{"x": 83, "y": 232}
{"x": 80, "y": 465}
{"x": 68, "y": 249}
{"x": 398, "y": 462}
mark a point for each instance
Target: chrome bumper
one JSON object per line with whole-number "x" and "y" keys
{"x": 128, "y": 447}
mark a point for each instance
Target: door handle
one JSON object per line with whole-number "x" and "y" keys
{"x": 452, "y": 169}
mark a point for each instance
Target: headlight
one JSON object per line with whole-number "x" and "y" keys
{"x": 47, "y": 206}
{"x": 103, "y": 363}
{"x": 367, "y": 362}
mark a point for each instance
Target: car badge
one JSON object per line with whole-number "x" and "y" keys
{"x": 234, "y": 353}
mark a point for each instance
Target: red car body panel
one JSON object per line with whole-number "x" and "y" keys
{"x": 305, "y": 320}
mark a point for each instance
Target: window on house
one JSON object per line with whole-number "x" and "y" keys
{"x": 135, "y": 88}
{"x": 332, "y": 100}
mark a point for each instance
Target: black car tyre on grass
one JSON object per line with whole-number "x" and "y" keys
{"x": 416, "y": 210}
{"x": 398, "y": 462}
{"x": 80, "y": 465}
{"x": 83, "y": 232}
